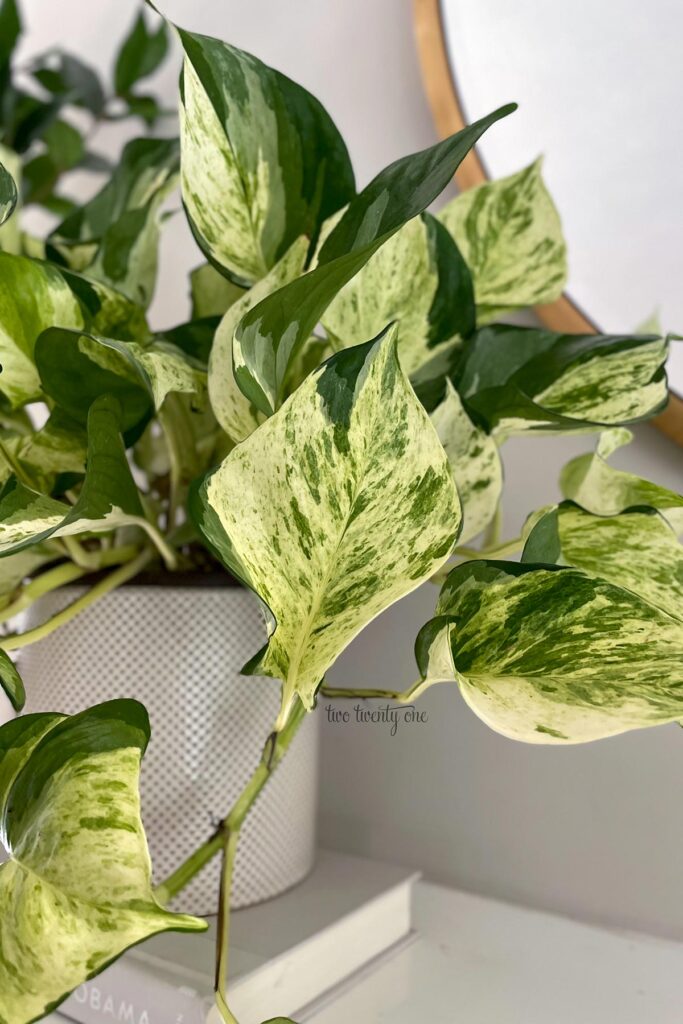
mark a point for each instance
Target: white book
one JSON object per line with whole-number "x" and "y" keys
{"x": 286, "y": 953}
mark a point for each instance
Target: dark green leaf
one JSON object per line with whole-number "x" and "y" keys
{"x": 141, "y": 53}
{"x": 10, "y": 30}
{"x": 270, "y": 335}
{"x": 30, "y": 119}
{"x": 64, "y": 144}
{"x": 145, "y": 107}
{"x": 195, "y": 338}
{"x": 71, "y": 80}
{"x": 11, "y": 682}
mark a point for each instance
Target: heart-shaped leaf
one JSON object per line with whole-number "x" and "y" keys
{"x": 419, "y": 279}
{"x": 35, "y": 296}
{"x": 519, "y": 379}
{"x": 548, "y": 654}
{"x": 115, "y": 236}
{"x": 591, "y": 482}
{"x": 301, "y": 510}
{"x": 212, "y": 294}
{"x": 271, "y": 334}
{"x": 262, "y": 162}
{"x": 511, "y": 237}
{"x": 76, "y": 891}
{"x": 475, "y": 462}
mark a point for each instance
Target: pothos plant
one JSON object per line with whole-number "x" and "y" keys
{"x": 327, "y": 426}
{"x": 52, "y": 105}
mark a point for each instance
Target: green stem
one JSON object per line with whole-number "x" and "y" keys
{"x": 398, "y": 696}
{"x": 77, "y": 553}
{"x": 113, "y": 580}
{"x": 60, "y": 576}
{"x": 223, "y": 947}
{"x": 274, "y": 750}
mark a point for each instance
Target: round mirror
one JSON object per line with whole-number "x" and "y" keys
{"x": 599, "y": 94}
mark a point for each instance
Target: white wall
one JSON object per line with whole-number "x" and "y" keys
{"x": 593, "y": 831}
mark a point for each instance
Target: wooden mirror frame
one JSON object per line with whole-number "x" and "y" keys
{"x": 440, "y": 82}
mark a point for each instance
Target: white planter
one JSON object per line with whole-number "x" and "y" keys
{"x": 179, "y": 650}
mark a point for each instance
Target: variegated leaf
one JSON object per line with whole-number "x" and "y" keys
{"x": 115, "y": 236}
{"x": 301, "y": 510}
{"x": 40, "y": 456}
{"x": 211, "y": 293}
{"x": 109, "y": 497}
{"x": 591, "y": 482}
{"x": 269, "y": 337}
{"x": 232, "y": 409}
{"x": 636, "y": 550}
{"x": 35, "y": 296}
{"x": 10, "y": 188}
{"x": 8, "y": 194}
{"x": 510, "y": 235}
{"x": 547, "y": 654}
{"x": 76, "y": 368}
{"x": 519, "y": 379}
{"x": 262, "y": 162}
{"x": 11, "y": 682}
{"x": 76, "y": 891}
{"x": 475, "y": 462}
{"x": 418, "y": 279}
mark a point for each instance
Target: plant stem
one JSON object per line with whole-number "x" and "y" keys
{"x": 274, "y": 750}
{"x": 113, "y": 580}
{"x": 398, "y": 696}
{"x": 60, "y": 576}
{"x": 84, "y": 559}
{"x": 223, "y": 947}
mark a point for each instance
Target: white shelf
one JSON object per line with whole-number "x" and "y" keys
{"x": 477, "y": 961}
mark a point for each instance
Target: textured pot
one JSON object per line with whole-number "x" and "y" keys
{"x": 179, "y": 650}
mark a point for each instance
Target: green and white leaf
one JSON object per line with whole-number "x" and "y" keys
{"x": 108, "y": 499}
{"x": 211, "y": 293}
{"x": 115, "y": 236}
{"x": 262, "y": 162}
{"x": 76, "y": 368}
{"x": 39, "y": 456}
{"x": 636, "y": 550}
{"x": 76, "y": 891}
{"x": 35, "y": 296}
{"x": 232, "y": 409}
{"x": 141, "y": 53}
{"x": 8, "y": 194}
{"x": 271, "y": 334}
{"x": 10, "y": 184}
{"x": 519, "y": 379}
{"x": 475, "y": 462}
{"x": 303, "y": 510}
{"x": 11, "y": 682}
{"x": 591, "y": 482}
{"x": 418, "y": 279}
{"x": 510, "y": 235}
{"x": 555, "y": 655}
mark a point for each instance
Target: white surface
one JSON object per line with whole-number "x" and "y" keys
{"x": 476, "y": 961}
{"x": 593, "y": 832}
{"x": 284, "y": 953}
{"x": 600, "y": 93}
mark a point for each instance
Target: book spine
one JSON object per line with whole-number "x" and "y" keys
{"x": 124, "y": 994}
